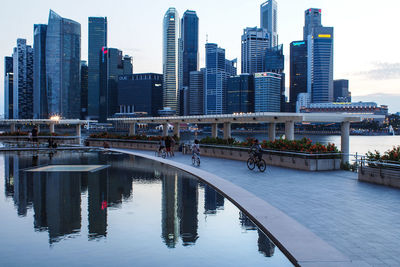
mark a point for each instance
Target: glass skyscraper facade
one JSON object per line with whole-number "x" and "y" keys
{"x": 196, "y": 92}
{"x": 312, "y": 19}
{"x": 268, "y": 20}
{"x": 275, "y": 62}
{"x": 298, "y": 71}
{"x": 190, "y": 44}
{"x": 97, "y": 40}
{"x": 170, "y": 60}
{"x": 267, "y": 92}
{"x": 84, "y": 89}
{"x": 63, "y": 61}
{"x": 23, "y": 81}
{"x": 341, "y": 91}
{"x": 240, "y": 94}
{"x": 8, "y": 87}
{"x": 255, "y": 41}
{"x": 40, "y": 108}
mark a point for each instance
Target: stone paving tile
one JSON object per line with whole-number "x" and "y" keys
{"x": 359, "y": 219}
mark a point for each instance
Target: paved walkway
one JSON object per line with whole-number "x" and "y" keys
{"x": 359, "y": 219}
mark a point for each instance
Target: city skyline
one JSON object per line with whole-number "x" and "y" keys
{"x": 377, "y": 73}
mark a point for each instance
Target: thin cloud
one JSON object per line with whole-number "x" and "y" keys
{"x": 382, "y": 71}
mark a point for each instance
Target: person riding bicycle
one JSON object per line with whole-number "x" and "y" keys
{"x": 256, "y": 149}
{"x": 161, "y": 145}
{"x": 196, "y": 148}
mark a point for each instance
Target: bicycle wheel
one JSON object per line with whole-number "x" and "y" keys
{"x": 262, "y": 165}
{"x": 193, "y": 161}
{"x": 198, "y": 162}
{"x": 251, "y": 164}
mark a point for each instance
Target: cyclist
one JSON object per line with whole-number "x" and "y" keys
{"x": 161, "y": 146}
{"x": 256, "y": 150}
{"x": 196, "y": 149}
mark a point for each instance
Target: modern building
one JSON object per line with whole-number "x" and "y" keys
{"x": 269, "y": 21}
{"x": 354, "y": 108}
{"x": 275, "y": 62}
{"x": 22, "y": 80}
{"x": 215, "y": 79}
{"x": 298, "y": 71}
{"x": 84, "y": 89}
{"x": 320, "y": 64}
{"x": 196, "y": 92}
{"x": 97, "y": 40}
{"x": 111, "y": 66}
{"x": 267, "y": 92}
{"x": 240, "y": 94}
{"x": 341, "y": 91}
{"x": 255, "y": 42}
{"x": 140, "y": 92}
{"x": 312, "y": 19}
{"x": 8, "y": 88}
{"x": 40, "y": 105}
{"x": 231, "y": 67}
{"x": 127, "y": 65}
{"x": 63, "y": 65}
{"x": 170, "y": 60}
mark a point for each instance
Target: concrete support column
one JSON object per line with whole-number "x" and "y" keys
{"x": 165, "y": 129}
{"x": 176, "y": 129}
{"x": 132, "y": 129}
{"x": 227, "y": 130}
{"x": 289, "y": 130}
{"x": 51, "y": 126}
{"x": 214, "y": 130}
{"x": 271, "y": 131}
{"x": 345, "y": 138}
{"x": 12, "y": 127}
{"x": 78, "y": 130}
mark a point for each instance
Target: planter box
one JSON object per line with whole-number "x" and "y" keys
{"x": 382, "y": 176}
{"x": 307, "y": 162}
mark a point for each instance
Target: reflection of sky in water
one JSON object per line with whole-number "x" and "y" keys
{"x": 134, "y": 212}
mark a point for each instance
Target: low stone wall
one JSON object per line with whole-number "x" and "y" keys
{"x": 307, "y": 163}
{"x": 301, "y": 162}
{"x": 42, "y": 139}
{"x": 382, "y": 176}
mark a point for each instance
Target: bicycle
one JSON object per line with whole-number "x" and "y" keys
{"x": 196, "y": 159}
{"x": 254, "y": 161}
{"x": 161, "y": 153}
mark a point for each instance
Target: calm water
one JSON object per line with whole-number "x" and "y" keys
{"x": 359, "y": 144}
{"x": 133, "y": 212}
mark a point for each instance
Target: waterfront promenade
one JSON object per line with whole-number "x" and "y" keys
{"x": 360, "y": 220}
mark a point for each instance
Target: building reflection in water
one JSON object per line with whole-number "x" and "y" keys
{"x": 97, "y": 204}
{"x": 265, "y": 245}
{"x": 187, "y": 210}
{"x": 212, "y": 200}
{"x": 170, "y": 226}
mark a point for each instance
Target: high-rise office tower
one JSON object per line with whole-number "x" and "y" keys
{"x": 312, "y": 19}
{"x": 231, "y": 67}
{"x": 63, "y": 64}
{"x": 215, "y": 80}
{"x": 97, "y": 40}
{"x": 127, "y": 65}
{"x": 240, "y": 94}
{"x": 298, "y": 71}
{"x": 341, "y": 91}
{"x": 268, "y": 20}
{"x": 40, "y": 108}
{"x": 320, "y": 65}
{"x": 111, "y": 66}
{"x": 170, "y": 60}
{"x": 275, "y": 62}
{"x": 8, "y": 87}
{"x": 196, "y": 92}
{"x": 267, "y": 92}
{"x": 23, "y": 80}
{"x": 84, "y": 89}
{"x": 255, "y": 41}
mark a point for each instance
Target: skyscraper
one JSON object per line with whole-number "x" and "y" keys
{"x": 97, "y": 40}
{"x": 196, "y": 92}
{"x": 170, "y": 60}
{"x": 267, "y": 92}
{"x": 298, "y": 71}
{"x": 215, "y": 80}
{"x": 40, "y": 109}
{"x": 23, "y": 81}
{"x": 84, "y": 89}
{"x": 312, "y": 19}
{"x": 275, "y": 62}
{"x": 255, "y": 41}
{"x": 63, "y": 61}
{"x": 127, "y": 65}
{"x": 268, "y": 20}
{"x": 341, "y": 91}
{"x": 8, "y": 88}
{"x": 240, "y": 94}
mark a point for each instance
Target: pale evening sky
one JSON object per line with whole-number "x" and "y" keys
{"x": 365, "y": 48}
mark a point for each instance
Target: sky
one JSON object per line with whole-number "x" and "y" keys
{"x": 366, "y": 32}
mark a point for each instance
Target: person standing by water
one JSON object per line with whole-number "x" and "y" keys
{"x": 35, "y": 133}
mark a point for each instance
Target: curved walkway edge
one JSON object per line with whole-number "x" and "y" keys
{"x": 299, "y": 244}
